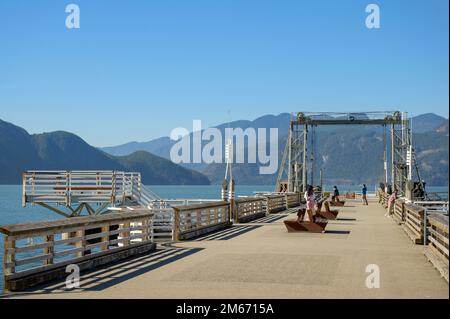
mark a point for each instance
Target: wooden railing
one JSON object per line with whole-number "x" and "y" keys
{"x": 414, "y": 224}
{"x": 163, "y": 222}
{"x": 36, "y": 251}
{"x": 275, "y": 203}
{"x": 438, "y": 242}
{"x": 383, "y": 197}
{"x": 292, "y": 200}
{"x": 399, "y": 211}
{"x": 198, "y": 219}
{"x": 249, "y": 208}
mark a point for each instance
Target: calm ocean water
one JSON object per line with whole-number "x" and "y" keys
{"x": 11, "y": 210}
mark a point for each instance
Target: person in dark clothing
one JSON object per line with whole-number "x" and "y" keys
{"x": 364, "y": 195}
{"x": 335, "y": 197}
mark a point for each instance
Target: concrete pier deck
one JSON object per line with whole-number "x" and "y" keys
{"x": 262, "y": 260}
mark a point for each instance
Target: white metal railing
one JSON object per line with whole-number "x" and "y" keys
{"x": 439, "y": 206}
{"x": 67, "y": 187}
{"x": 134, "y": 188}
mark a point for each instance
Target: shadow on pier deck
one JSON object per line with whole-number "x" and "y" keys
{"x": 264, "y": 261}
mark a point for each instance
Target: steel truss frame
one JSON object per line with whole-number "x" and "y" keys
{"x": 296, "y": 154}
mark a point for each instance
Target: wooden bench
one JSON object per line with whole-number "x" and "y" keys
{"x": 339, "y": 203}
{"x": 327, "y": 213}
{"x": 316, "y": 226}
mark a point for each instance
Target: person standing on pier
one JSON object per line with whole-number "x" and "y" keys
{"x": 310, "y": 203}
{"x": 335, "y": 197}
{"x": 364, "y": 195}
{"x": 391, "y": 202}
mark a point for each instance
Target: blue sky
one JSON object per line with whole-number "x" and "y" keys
{"x": 137, "y": 69}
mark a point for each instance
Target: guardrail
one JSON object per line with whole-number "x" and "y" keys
{"x": 198, "y": 219}
{"x": 438, "y": 242}
{"x": 275, "y": 203}
{"x": 39, "y": 251}
{"x": 292, "y": 200}
{"x": 438, "y": 206}
{"x": 164, "y": 221}
{"x": 399, "y": 211}
{"x": 278, "y": 201}
{"x": 415, "y": 224}
{"x": 249, "y": 208}
{"x": 67, "y": 187}
{"x": 383, "y": 197}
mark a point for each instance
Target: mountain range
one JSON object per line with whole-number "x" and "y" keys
{"x": 60, "y": 150}
{"x": 346, "y": 154}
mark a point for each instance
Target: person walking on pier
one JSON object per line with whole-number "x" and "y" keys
{"x": 364, "y": 195}
{"x": 391, "y": 202}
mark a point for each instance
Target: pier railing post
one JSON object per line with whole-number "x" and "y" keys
{"x": 49, "y": 250}
{"x": 425, "y": 211}
{"x": 176, "y": 224}
{"x": 24, "y": 189}
{"x": 9, "y": 260}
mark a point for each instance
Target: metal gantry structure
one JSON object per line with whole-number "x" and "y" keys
{"x": 74, "y": 193}
{"x": 302, "y": 126}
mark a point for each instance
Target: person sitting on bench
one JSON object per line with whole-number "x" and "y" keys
{"x": 310, "y": 204}
{"x": 335, "y": 197}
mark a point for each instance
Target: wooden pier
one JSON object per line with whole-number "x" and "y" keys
{"x": 132, "y": 243}
{"x": 260, "y": 259}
